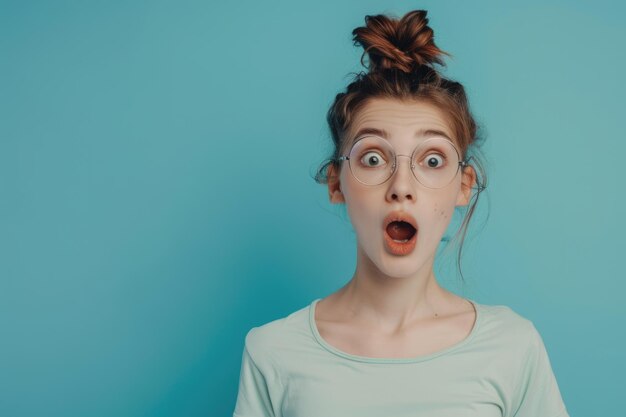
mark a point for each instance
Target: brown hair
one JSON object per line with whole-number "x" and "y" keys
{"x": 402, "y": 54}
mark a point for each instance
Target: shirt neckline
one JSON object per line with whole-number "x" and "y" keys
{"x": 420, "y": 358}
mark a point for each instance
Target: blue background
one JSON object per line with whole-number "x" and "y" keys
{"x": 157, "y": 200}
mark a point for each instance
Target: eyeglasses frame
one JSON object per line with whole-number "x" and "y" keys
{"x": 461, "y": 164}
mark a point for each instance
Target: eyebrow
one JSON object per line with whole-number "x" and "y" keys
{"x": 383, "y": 133}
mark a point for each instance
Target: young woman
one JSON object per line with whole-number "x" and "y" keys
{"x": 392, "y": 342}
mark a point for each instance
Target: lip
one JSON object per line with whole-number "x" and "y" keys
{"x": 398, "y": 215}
{"x": 397, "y": 248}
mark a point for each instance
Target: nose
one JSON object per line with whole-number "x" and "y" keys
{"x": 402, "y": 185}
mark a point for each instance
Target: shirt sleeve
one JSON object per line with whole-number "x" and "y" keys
{"x": 538, "y": 394}
{"x": 253, "y": 398}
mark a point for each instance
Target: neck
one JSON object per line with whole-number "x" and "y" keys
{"x": 392, "y": 302}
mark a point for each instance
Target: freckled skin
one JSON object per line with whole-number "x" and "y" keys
{"x": 368, "y": 205}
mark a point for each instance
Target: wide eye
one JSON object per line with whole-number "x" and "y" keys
{"x": 372, "y": 159}
{"x": 434, "y": 160}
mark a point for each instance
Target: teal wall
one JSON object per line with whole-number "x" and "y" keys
{"x": 157, "y": 200}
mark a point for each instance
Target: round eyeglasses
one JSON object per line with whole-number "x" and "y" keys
{"x": 434, "y": 162}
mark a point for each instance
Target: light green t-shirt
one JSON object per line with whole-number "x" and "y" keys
{"x": 500, "y": 369}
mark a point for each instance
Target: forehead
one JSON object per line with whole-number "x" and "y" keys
{"x": 400, "y": 119}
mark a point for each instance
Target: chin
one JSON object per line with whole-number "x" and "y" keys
{"x": 405, "y": 266}
{"x": 396, "y": 266}
{"x": 399, "y": 267}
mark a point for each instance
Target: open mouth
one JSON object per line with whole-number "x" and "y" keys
{"x": 400, "y": 231}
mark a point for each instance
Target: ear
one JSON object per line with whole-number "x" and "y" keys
{"x": 467, "y": 183}
{"x": 334, "y": 186}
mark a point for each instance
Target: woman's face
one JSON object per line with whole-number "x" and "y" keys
{"x": 368, "y": 206}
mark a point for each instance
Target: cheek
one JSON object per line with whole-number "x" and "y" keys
{"x": 440, "y": 214}
{"x": 443, "y": 210}
{"x": 445, "y": 204}
{"x": 355, "y": 193}
{"x": 359, "y": 205}
{"x": 362, "y": 204}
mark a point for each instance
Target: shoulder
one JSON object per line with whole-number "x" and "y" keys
{"x": 507, "y": 325}
{"x": 275, "y": 337}
{"x": 502, "y": 315}
{"x": 505, "y": 342}
{"x": 518, "y": 363}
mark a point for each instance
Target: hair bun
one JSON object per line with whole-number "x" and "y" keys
{"x": 404, "y": 44}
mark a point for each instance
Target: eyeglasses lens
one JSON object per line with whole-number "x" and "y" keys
{"x": 435, "y": 161}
